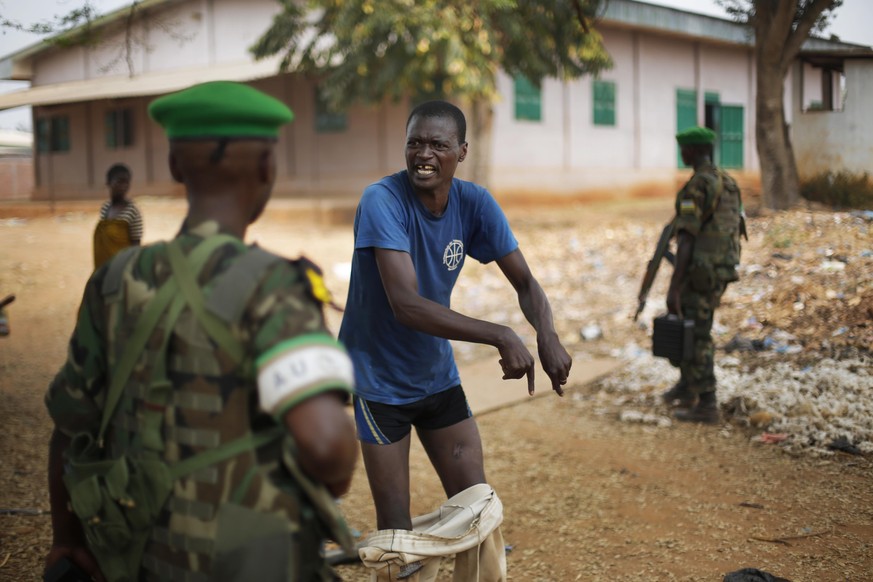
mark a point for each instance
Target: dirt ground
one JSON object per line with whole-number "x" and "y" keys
{"x": 586, "y": 497}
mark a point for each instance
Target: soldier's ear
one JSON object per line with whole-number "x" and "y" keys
{"x": 175, "y": 172}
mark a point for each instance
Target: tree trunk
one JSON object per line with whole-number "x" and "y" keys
{"x": 779, "y": 179}
{"x": 480, "y": 135}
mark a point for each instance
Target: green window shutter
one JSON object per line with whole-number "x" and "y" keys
{"x": 604, "y": 102}
{"x": 528, "y": 100}
{"x": 119, "y": 128}
{"x": 53, "y": 134}
{"x": 686, "y": 114}
{"x": 43, "y": 134}
{"x": 328, "y": 120}
{"x": 731, "y": 136}
{"x": 111, "y": 130}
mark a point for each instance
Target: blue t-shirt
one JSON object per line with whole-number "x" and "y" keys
{"x": 395, "y": 364}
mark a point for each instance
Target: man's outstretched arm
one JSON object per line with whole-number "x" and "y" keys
{"x": 535, "y": 306}
{"x": 421, "y": 314}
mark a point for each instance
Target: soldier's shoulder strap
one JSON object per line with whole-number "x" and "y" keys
{"x": 718, "y": 184}
{"x": 233, "y": 288}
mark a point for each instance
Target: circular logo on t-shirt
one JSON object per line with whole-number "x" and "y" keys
{"x": 453, "y": 255}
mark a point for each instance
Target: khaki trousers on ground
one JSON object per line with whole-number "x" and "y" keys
{"x": 466, "y": 526}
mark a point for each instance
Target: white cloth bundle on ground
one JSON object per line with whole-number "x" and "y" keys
{"x": 467, "y": 526}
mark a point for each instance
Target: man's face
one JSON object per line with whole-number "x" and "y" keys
{"x": 433, "y": 152}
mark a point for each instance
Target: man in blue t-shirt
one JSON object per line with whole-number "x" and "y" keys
{"x": 413, "y": 231}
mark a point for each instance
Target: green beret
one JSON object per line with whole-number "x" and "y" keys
{"x": 220, "y": 109}
{"x": 695, "y": 136}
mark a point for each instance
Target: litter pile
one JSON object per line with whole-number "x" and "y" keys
{"x": 795, "y": 334}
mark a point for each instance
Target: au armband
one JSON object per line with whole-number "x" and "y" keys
{"x": 295, "y": 371}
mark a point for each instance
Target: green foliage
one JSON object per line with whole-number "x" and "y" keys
{"x": 371, "y": 49}
{"x": 747, "y": 10}
{"x": 840, "y": 190}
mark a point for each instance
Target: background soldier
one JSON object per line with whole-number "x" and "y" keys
{"x": 239, "y": 359}
{"x": 708, "y": 226}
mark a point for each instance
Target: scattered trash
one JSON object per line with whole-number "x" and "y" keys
{"x": 761, "y": 418}
{"x": 832, "y": 266}
{"x": 771, "y": 438}
{"x": 591, "y": 332}
{"x": 751, "y": 505}
{"x": 752, "y": 575}
{"x": 635, "y": 416}
{"x": 842, "y": 444}
{"x": 739, "y": 343}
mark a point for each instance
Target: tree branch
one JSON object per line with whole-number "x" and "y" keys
{"x": 801, "y": 32}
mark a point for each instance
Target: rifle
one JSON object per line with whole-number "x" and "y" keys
{"x": 661, "y": 252}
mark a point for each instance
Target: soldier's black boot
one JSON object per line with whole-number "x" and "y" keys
{"x": 705, "y": 411}
{"x": 679, "y": 395}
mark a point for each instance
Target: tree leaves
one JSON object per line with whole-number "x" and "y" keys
{"x": 366, "y": 50}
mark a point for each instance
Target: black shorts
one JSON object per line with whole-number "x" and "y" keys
{"x": 383, "y": 424}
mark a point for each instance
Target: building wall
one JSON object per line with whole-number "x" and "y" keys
{"x": 829, "y": 140}
{"x": 177, "y": 36}
{"x": 564, "y": 154}
{"x": 16, "y": 178}
{"x": 336, "y": 165}
{"x": 567, "y": 154}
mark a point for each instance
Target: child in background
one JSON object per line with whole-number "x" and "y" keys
{"x": 120, "y": 224}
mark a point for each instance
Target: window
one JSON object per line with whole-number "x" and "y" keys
{"x": 823, "y": 84}
{"x": 604, "y": 102}
{"x": 686, "y": 115}
{"x": 119, "y": 128}
{"x": 528, "y": 100}
{"x": 53, "y": 134}
{"x": 328, "y": 120}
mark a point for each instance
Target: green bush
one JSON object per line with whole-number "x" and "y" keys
{"x": 840, "y": 190}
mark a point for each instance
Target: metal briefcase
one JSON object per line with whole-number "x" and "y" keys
{"x": 673, "y": 338}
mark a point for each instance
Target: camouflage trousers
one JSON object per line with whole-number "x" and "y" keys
{"x": 698, "y": 373}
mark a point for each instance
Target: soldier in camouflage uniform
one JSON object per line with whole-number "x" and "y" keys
{"x": 256, "y": 515}
{"x": 708, "y": 225}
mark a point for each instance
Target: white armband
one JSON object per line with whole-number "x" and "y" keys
{"x": 301, "y": 371}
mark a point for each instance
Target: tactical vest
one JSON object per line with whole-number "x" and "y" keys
{"x": 119, "y": 488}
{"x": 717, "y": 246}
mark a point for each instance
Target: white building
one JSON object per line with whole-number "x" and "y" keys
{"x": 607, "y": 136}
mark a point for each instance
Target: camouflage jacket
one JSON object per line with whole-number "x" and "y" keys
{"x": 213, "y": 400}
{"x": 709, "y": 207}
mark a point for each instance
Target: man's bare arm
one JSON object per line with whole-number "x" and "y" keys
{"x": 421, "y": 314}
{"x": 536, "y": 308}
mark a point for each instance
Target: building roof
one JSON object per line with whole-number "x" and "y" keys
{"x": 17, "y": 66}
{"x": 139, "y": 85}
{"x": 15, "y": 143}
{"x": 674, "y": 21}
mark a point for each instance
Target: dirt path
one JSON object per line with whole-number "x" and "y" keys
{"x": 586, "y": 497}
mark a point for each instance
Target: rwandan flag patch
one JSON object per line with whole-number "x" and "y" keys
{"x": 687, "y": 207}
